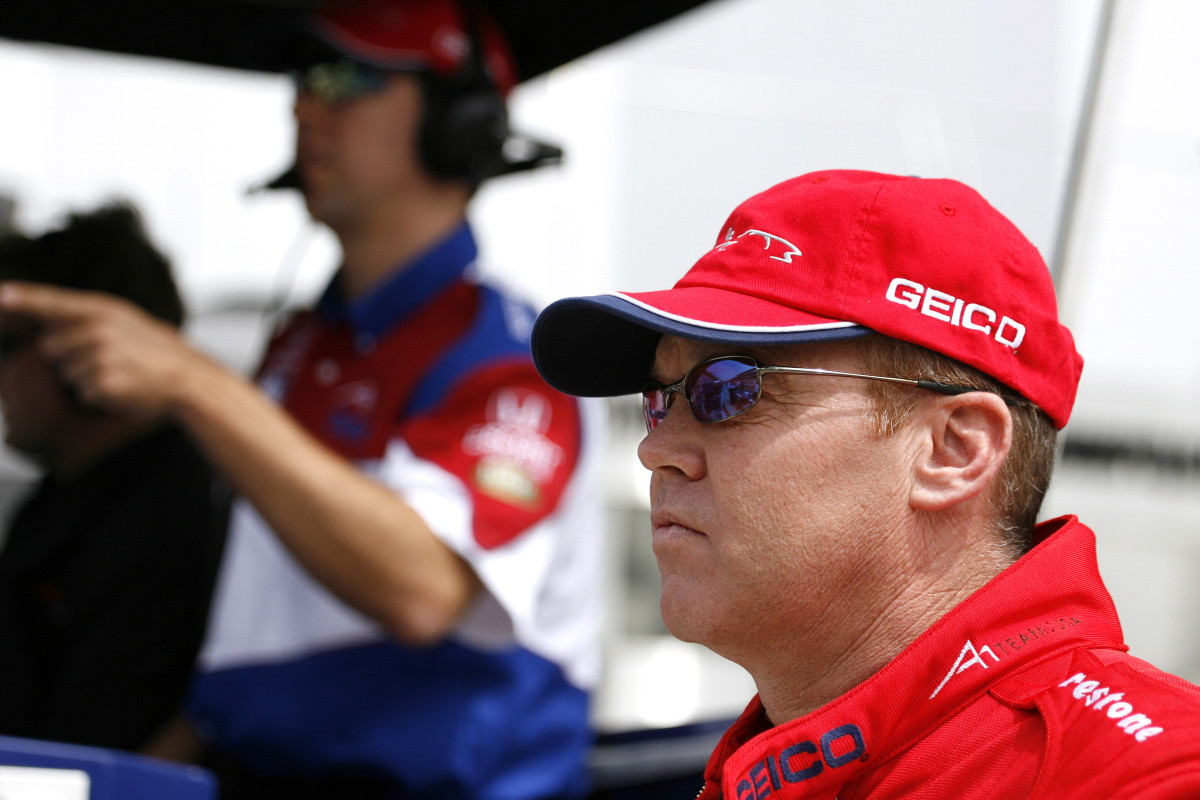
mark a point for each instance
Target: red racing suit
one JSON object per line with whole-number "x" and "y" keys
{"x": 1025, "y": 690}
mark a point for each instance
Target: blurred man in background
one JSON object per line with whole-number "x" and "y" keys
{"x": 107, "y": 568}
{"x": 851, "y": 406}
{"x": 409, "y": 602}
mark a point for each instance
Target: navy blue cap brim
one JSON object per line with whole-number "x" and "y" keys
{"x": 604, "y": 345}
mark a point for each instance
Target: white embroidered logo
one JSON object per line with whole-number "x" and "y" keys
{"x": 963, "y": 663}
{"x": 515, "y": 432}
{"x": 769, "y": 239}
{"x": 956, "y": 311}
{"x": 1097, "y": 697}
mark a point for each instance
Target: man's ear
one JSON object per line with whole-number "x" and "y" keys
{"x": 966, "y": 438}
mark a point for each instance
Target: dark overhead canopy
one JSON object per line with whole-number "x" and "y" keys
{"x": 543, "y": 33}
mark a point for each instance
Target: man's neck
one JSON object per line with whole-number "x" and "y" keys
{"x": 840, "y": 651}
{"x": 373, "y": 246}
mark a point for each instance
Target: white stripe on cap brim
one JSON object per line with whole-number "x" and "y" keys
{"x": 604, "y": 345}
{"x": 717, "y": 326}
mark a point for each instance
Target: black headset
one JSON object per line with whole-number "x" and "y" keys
{"x": 464, "y": 132}
{"x": 465, "y": 122}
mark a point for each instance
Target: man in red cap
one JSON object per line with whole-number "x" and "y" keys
{"x": 409, "y": 601}
{"x": 851, "y": 405}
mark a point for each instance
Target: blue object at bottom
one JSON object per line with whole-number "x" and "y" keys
{"x": 446, "y": 722}
{"x": 112, "y": 774}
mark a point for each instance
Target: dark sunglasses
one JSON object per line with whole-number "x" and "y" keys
{"x": 14, "y": 341}
{"x": 341, "y": 81}
{"x": 725, "y": 387}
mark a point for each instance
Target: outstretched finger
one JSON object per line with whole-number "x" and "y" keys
{"x": 48, "y": 303}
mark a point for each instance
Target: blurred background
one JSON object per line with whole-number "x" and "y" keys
{"x": 1076, "y": 118}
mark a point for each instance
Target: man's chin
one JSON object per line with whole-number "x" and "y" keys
{"x": 683, "y": 619}
{"x": 320, "y": 208}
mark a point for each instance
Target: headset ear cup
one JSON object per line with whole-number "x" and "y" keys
{"x": 463, "y": 132}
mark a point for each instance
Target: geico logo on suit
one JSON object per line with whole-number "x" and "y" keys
{"x": 802, "y": 761}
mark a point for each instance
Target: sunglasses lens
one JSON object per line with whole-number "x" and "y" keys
{"x": 654, "y": 406}
{"x": 340, "y": 81}
{"x": 716, "y": 390}
{"x": 723, "y": 388}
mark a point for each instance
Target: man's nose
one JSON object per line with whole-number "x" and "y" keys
{"x": 673, "y": 446}
{"x": 307, "y": 108}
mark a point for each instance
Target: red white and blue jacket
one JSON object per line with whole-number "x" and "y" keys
{"x": 1026, "y": 690}
{"x": 428, "y": 385}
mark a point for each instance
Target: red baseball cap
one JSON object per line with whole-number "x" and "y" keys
{"x": 402, "y": 35}
{"x": 835, "y": 255}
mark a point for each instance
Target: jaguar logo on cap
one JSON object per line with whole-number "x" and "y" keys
{"x": 769, "y": 239}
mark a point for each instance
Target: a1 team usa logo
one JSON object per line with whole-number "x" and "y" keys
{"x": 968, "y": 657}
{"x": 1011, "y": 642}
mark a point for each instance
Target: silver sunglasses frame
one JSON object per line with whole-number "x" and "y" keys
{"x": 760, "y": 369}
